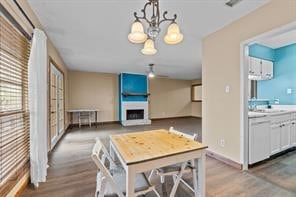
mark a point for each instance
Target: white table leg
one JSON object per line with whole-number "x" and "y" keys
{"x": 201, "y": 175}
{"x": 195, "y": 176}
{"x": 130, "y": 182}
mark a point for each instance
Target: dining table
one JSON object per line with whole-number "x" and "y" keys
{"x": 143, "y": 151}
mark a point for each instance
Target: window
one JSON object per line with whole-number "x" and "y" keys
{"x": 196, "y": 91}
{"x": 14, "y": 115}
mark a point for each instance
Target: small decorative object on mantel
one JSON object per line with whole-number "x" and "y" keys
{"x": 135, "y": 94}
{"x": 138, "y": 35}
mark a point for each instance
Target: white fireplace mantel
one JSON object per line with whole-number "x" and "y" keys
{"x": 132, "y": 105}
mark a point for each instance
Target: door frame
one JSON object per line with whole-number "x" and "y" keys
{"x": 244, "y": 88}
{"x": 52, "y": 62}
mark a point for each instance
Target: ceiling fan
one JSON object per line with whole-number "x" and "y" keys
{"x": 151, "y": 72}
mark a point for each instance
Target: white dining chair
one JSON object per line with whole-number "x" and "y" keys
{"x": 111, "y": 182}
{"x": 178, "y": 170}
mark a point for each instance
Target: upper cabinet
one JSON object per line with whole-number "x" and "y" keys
{"x": 267, "y": 69}
{"x": 260, "y": 69}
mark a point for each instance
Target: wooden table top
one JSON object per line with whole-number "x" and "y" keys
{"x": 148, "y": 145}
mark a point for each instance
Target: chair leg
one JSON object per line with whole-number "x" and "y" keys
{"x": 157, "y": 194}
{"x": 103, "y": 187}
{"x": 162, "y": 179}
{"x": 175, "y": 178}
{"x": 174, "y": 189}
{"x": 150, "y": 175}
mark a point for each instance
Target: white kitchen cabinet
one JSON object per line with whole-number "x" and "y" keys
{"x": 254, "y": 66}
{"x": 275, "y": 139}
{"x": 285, "y": 135}
{"x": 293, "y": 133}
{"x": 259, "y": 142}
{"x": 267, "y": 69}
{"x": 260, "y": 69}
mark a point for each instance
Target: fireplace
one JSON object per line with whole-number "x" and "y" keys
{"x": 135, "y": 114}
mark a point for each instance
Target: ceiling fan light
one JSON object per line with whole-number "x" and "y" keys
{"x": 137, "y": 34}
{"x": 173, "y": 36}
{"x": 149, "y": 48}
{"x": 151, "y": 75}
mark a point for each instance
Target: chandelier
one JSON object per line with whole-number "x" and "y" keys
{"x": 154, "y": 20}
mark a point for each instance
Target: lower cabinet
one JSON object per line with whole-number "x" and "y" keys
{"x": 293, "y": 133}
{"x": 271, "y": 135}
{"x": 285, "y": 135}
{"x": 275, "y": 139}
{"x": 259, "y": 146}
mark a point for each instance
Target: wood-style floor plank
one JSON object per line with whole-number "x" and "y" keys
{"x": 72, "y": 172}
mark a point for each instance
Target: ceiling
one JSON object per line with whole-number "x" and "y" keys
{"x": 280, "y": 40}
{"x": 91, "y": 35}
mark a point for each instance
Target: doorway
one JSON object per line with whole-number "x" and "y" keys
{"x": 57, "y": 116}
{"x": 246, "y": 90}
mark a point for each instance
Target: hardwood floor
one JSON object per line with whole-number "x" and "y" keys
{"x": 72, "y": 172}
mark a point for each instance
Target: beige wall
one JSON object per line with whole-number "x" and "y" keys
{"x": 221, "y": 67}
{"x": 196, "y": 108}
{"x": 169, "y": 98}
{"x": 94, "y": 90}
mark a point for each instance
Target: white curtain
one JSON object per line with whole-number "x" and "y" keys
{"x": 38, "y": 107}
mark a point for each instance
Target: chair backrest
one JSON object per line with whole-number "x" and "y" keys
{"x": 191, "y": 137}
{"x": 99, "y": 156}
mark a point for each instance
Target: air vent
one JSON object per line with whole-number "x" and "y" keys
{"x": 232, "y": 3}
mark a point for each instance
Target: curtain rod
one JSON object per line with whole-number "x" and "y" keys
{"x": 24, "y": 13}
{"x": 14, "y": 22}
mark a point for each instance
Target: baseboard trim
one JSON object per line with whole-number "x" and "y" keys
{"x": 93, "y": 124}
{"x": 20, "y": 186}
{"x": 118, "y": 122}
{"x": 175, "y": 117}
{"x": 224, "y": 159}
{"x": 21, "y": 183}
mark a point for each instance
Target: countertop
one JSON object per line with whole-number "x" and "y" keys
{"x": 254, "y": 114}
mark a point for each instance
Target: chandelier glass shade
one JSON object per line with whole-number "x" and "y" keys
{"x": 138, "y": 34}
{"x": 149, "y": 48}
{"x": 173, "y": 36}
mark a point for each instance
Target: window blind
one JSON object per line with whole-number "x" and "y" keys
{"x": 14, "y": 114}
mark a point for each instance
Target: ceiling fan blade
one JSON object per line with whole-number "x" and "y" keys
{"x": 162, "y": 76}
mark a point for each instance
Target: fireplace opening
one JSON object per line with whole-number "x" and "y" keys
{"x": 135, "y": 114}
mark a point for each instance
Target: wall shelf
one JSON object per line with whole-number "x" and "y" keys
{"x": 135, "y": 94}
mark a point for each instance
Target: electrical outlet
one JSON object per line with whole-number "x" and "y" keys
{"x": 289, "y": 91}
{"x": 227, "y": 89}
{"x": 221, "y": 142}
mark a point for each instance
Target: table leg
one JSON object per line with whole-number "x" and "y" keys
{"x": 71, "y": 119}
{"x": 130, "y": 182}
{"x": 96, "y": 119}
{"x": 195, "y": 176}
{"x": 201, "y": 175}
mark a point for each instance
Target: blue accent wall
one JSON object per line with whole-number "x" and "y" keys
{"x": 134, "y": 83}
{"x": 262, "y": 52}
{"x": 284, "y": 77}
